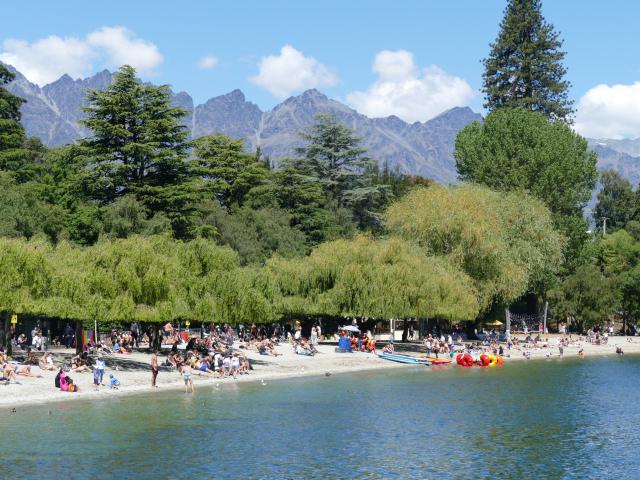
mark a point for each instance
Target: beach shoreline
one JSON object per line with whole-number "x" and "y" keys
{"x": 133, "y": 371}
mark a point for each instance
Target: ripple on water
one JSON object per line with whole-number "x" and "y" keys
{"x": 553, "y": 419}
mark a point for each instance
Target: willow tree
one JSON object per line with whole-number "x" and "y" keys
{"x": 25, "y": 280}
{"x": 505, "y": 242}
{"x": 517, "y": 149}
{"x": 156, "y": 279}
{"x": 373, "y": 278}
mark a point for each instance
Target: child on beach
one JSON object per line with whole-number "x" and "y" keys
{"x": 114, "y": 383}
{"x": 98, "y": 373}
{"x": 187, "y": 374}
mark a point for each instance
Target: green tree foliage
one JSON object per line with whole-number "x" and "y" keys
{"x": 485, "y": 234}
{"x": 127, "y": 216}
{"x": 227, "y": 170}
{"x": 524, "y": 67}
{"x": 299, "y": 192}
{"x": 23, "y": 213}
{"x": 255, "y": 234}
{"x": 517, "y": 149}
{"x": 630, "y": 290}
{"x": 585, "y": 298}
{"x": 617, "y": 253}
{"x": 149, "y": 279}
{"x": 138, "y": 146}
{"x": 334, "y": 158}
{"x": 13, "y": 154}
{"x": 373, "y": 278}
{"x": 616, "y": 201}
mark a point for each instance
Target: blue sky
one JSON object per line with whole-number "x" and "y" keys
{"x": 331, "y": 45}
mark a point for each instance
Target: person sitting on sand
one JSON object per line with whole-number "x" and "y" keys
{"x": 46, "y": 362}
{"x": 245, "y": 366}
{"x": 30, "y": 358}
{"x": 204, "y": 366}
{"x": 371, "y": 346}
{"x": 117, "y": 348}
{"x": 22, "y": 341}
{"x": 301, "y": 349}
{"x": 388, "y": 348}
{"x": 79, "y": 363}
{"x": 8, "y": 373}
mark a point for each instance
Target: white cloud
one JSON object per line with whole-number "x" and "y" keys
{"x": 290, "y": 72}
{"x": 45, "y": 60}
{"x": 609, "y": 111}
{"x": 411, "y": 93}
{"x": 122, "y": 47}
{"x": 208, "y": 62}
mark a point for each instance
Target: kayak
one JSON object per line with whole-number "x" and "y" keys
{"x": 439, "y": 361}
{"x": 398, "y": 357}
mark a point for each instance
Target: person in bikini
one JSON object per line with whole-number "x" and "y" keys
{"x": 187, "y": 374}
{"x": 154, "y": 368}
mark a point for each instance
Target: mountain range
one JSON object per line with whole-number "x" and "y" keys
{"x": 426, "y": 148}
{"x": 423, "y": 148}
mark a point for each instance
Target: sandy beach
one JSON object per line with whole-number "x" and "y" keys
{"x": 133, "y": 370}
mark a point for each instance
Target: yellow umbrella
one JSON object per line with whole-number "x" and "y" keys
{"x": 494, "y": 323}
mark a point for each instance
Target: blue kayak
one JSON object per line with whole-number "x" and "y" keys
{"x": 401, "y": 358}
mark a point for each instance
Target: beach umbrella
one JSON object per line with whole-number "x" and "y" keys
{"x": 494, "y": 323}
{"x": 350, "y": 328}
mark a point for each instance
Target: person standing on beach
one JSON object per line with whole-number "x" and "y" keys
{"x": 154, "y": 368}
{"x": 135, "y": 333}
{"x": 187, "y": 374}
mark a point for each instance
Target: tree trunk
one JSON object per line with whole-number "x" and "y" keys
{"x": 155, "y": 342}
{"x": 6, "y": 336}
{"x": 78, "y": 337}
{"x": 405, "y": 331}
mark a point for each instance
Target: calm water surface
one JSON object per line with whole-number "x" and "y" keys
{"x": 543, "y": 419}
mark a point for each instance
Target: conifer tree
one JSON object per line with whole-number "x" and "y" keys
{"x": 335, "y": 158}
{"x": 524, "y": 67}
{"x": 13, "y": 155}
{"x": 138, "y": 144}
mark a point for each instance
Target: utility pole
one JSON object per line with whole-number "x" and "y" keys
{"x": 604, "y": 226}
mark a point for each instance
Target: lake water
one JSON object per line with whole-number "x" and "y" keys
{"x": 540, "y": 419}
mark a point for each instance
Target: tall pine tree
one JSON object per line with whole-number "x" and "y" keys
{"x": 13, "y": 154}
{"x": 335, "y": 158}
{"x": 138, "y": 143}
{"x": 524, "y": 67}
{"x": 138, "y": 146}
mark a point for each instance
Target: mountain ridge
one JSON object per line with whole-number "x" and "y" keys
{"x": 53, "y": 112}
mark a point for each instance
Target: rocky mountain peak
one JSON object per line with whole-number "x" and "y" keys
{"x": 53, "y": 114}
